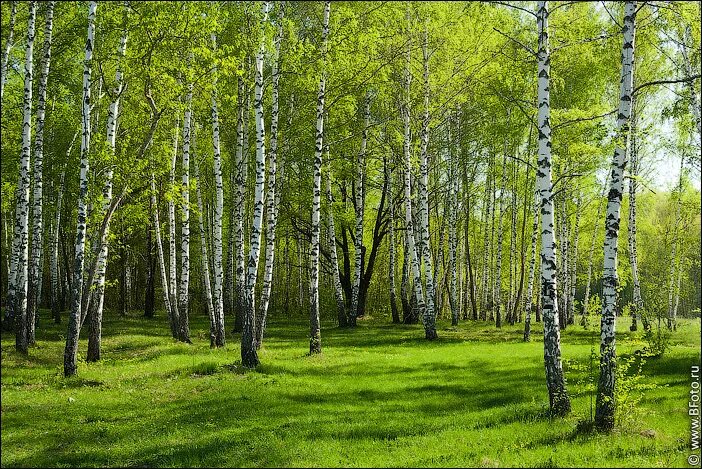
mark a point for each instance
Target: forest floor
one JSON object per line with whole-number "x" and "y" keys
{"x": 379, "y": 395}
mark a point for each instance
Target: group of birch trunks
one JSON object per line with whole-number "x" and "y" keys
{"x": 451, "y": 193}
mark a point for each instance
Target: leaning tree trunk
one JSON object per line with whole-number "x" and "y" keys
{"x": 671, "y": 310}
{"x": 559, "y": 402}
{"x": 249, "y": 356}
{"x": 637, "y": 307}
{"x": 95, "y": 324}
{"x": 604, "y": 412}
{"x": 8, "y": 47}
{"x": 183, "y": 298}
{"x": 70, "y": 355}
{"x": 429, "y": 312}
{"x": 694, "y": 101}
{"x": 218, "y": 303}
{"x": 22, "y": 208}
{"x": 272, "y": 196}
{"x": 532, "y": 269}
{"x": 35, "y": 269}
{"x": 315, "y": 329}
{"x": 358, "y": 203}
{"x": 167, "y": 298}
{"x": 205, "y": 262}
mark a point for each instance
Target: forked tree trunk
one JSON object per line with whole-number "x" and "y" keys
{"x": 605, "y": 407}
{"x": 70, "y": 356}
{"x": 207, "y": 286}
{"x": 249, "y": 356}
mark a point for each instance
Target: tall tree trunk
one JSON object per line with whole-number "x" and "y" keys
{"x": 272, "y": 196}
{"x": 172, "y": 256}
{"x": 218, "y": 302}
{"x": 183, "y": 292}
{"x": 8, "y": 47}
{"x": 207, "y": 287}
{"x": 35, "y": 269}
{"x": 55, "y": 279}
{"x": 70, "y": 355}
{"x": 485, "y": 280}
{"x": 249, "y": 356}
{"x": 559, "y": 402}
{"x": 574, "y": 261}
{"x": 19, "y": 305}
{"x": 315, "y": 329}
{"x": 694, "y": 100}
{"x": 452, "y": 242}
{"x": 564, "y": 229}
{"x": 173, "y": 321}
{"x": 604, "y": 412}
{"x": 637, "y": 306}
{"x": 391, "y": 245}
{"x": 358, "y": 204}
{"x": 150, "y": 290}
{"x": 239, "y": 203}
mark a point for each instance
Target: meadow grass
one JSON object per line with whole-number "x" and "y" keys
{"x": 379, "y": 395}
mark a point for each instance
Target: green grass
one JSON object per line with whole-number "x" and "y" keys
{"x": 379, "y": 395}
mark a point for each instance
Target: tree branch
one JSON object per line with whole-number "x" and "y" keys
{"x": 665, "y": 82}
{"x": 525, "y": 47}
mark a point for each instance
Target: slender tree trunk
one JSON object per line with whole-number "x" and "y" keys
{"x": 391, "y": 246}
{"x": 218, "y": 302}
{"x": 70, "y": 356}
{"x": 249, "y": 356}
{"x": 240, "y": 201}
{"x": 559, "y": 401}
{"x": 359, "y": 202}
{"x": 172, "y": 256}
{"x": 338, "y": 291}
{"x": 8, "y": 47}
{"x": 19, "y": 305}
{"x": 272, "y": 196}
{"x": 167, "y": 298}
{"x": 671, "y": 310}
{"x": 452, "y": 208}
{"x": 205, "y": 261}
{"x": 500, "y": 233}
{"x": 637, "y": 307}
{"x": 694, "y": 100}
{"x": 604, "y": 413}
{"x": 55, "y": 279}
{"x": 564, "y": 229}
{"x": 183, "y": 292}
{"x": 35, "y": 270}
{"x": 150, "y": 291}
{"x": 486, "y": 246}
{"x": 315, "y": 329}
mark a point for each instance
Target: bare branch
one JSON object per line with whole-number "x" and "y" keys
{"x": 526, "y": 48}
{"x": 665, "y": 82}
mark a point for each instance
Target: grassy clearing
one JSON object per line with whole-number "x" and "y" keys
{"x": 379, "y": 395}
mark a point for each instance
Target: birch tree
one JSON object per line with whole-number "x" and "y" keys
{"x": 338, "y": 291}
{"x": 604, "y": 412}
{"x": 532, "y": 269}
{"x": 211, "y": 313}
{"x": 249, "y": 356}
{"x": 559, "y": 402}
{"x": 272, "y": 195}
{"x": 167, "y": 298}
{"x": 70, "y": 355}
{"x": 183, "y": 293}
{"x": 35, "y": 269}
{"x": 19, "y": 304}
{"x": 218, "y": 303}
{"x": 8, "y": 48}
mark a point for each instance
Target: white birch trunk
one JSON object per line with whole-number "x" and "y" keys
{"x": 671, "y": 310}
{"x": 429, "y": 313}
{"x": 183, "y": 298}
{"x": 205, "y": 261}
{"x": 559, "y": 401}
{"x": 239, "y": 203}
{"x": 272, "y": 196}
{"x": 172, "y": 270}
{"x": 532, "y": 269}
{"x": 70, "y": 356}
{"x": 35, "y": 269}
{"x": 574, "y": 261}
{"x": 172, "y": 321}
{"x": 338, "y": 290}
{"x": 218, "y": 302}
{"x": 360, "y": 209}
{"x": 604, "y": 413}
{"x": 8, "y": 47}
{"x": 586, "y": 300}
{"x": 315, "y": 329}
{"x": 249, "y": 356}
